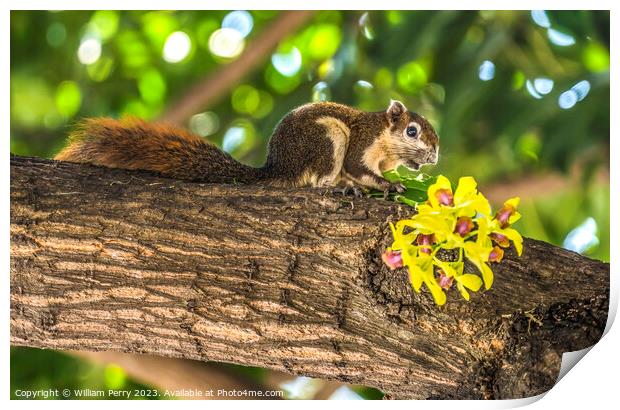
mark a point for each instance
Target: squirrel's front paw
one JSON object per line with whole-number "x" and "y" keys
{"x": 393, "y": 187}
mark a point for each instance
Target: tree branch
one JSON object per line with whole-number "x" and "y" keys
{"x": 290, "y": 280}
{"x": 214, "y": 86}
{"x": 178, "y": 375}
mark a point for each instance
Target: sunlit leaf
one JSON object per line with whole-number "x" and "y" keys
{"x": 324, "y": 41}
{"x": 68, "y": 98}
{"x": 114, "y": 376}
{"x": 596, "y": 57}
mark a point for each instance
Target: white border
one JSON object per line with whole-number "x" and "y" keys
{"x": 593, "y": 381}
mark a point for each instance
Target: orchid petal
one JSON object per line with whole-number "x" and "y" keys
{"x": 442, "y": 183}
{"x": 415, "y": 277}
{"x": 438, "y": 294}
{"x": 516, "y": 239}
{"x": 465, "y": 189}
{"x": 470, "y": 281}
{"x": 463, "y": 291}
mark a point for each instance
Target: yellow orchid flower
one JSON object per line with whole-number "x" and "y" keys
{"x": 469, "y": 281}
{"x": 501, "y": 237}
{"x": 401, "y": 240}
{"x": 429, "y": 224}
{"x": 440, "y": 193}
{"x": 479, "y": 255}
{"x": 417, "y": 274}
{"x": 438, "y": 294}
{"x": 508, "y": 214}
{"x": 459, "y": 220}
{"x": 468, "y": 200}
{"x": 424, "y": 274}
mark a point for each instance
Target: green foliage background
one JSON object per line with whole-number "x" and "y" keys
{"x": 494, "y": 130}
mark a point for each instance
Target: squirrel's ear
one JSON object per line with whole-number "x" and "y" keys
{"x": 395, "y": 110}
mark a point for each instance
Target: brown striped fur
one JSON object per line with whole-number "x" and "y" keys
{"x": 318, "y": 144}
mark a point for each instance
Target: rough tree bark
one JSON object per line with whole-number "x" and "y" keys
{"x": 286, "y": 279}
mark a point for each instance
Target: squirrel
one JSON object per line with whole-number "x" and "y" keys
{"x": 320, "y": 144}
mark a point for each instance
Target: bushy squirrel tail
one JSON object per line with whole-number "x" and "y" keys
{"x": 172, "y": 152}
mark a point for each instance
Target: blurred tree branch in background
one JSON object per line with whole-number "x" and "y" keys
{"x": 209, "y": 91}
{"x": 542, "y": 184}
{"x": 166, "y": 373}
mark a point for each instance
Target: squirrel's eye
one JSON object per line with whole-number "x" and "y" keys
{"x": 412, "y": 131}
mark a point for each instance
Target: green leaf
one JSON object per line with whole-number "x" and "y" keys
{"x": 406, "y": 201}
{"x": 416, "y": 185}
{"x": 391, "y": 176}
{"x": 415, "y": 195}
{"x": 406, "y": 172}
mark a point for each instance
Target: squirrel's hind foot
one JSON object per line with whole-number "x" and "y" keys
{"x": 356, "y": 191}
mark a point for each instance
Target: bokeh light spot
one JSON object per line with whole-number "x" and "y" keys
{"x": 384, "y": 78}
{"x": 279, "y": 82}
{"x": 300, "y": 388}
{"x": 152, "y": 86}
{"x": 530, "y": 89}
{"x": 568, "y": 99}
{"x": 104, "y": 23}
{"x": 321, "y": 92}
{"x": 56, "y": 34}
{"x": 89, "y": 50}
{"x": 226, "y": 43}
{"x": 31, "y": 101}
{"x": 245, "y": 99}
{"x": 239, "y": 20}
{"x": 362, "y": 87}
{"x": 100, "y": 70}
{"x": 560, "y": 39}
{"x": 137, "y": 108}
{"x": 114, "y": 376}
{"x": 157, "y": 26}
{"x": 324, "y": 41}
{"x": 68, "y": 98}
{"x": 582, "y": 238}
{"x": 582, "y": 89}
{"x": 486, "y": 71}
{"x": 528, "y": 146}
{"x": 177, "y": 47}
{"x": 240, "y": 138}
{"x": 233, "y": 138}
{"x": 596, "y": 57}
{"x": 134, "y": 52}
{"x": 394, "y": 17}
{"x": 326, "y": 69}
{"x": 345, "y": 393}
{"x": 543, "y": 85}
{"x": 287, "y": 62}
{"x": 411, "y": 77}
{"x": 205, "y": 123}
{"x": 518, "y": 79}
{"x": 204, "y": 31}
{"x": 365, "y": 26}
{"x": 540, "y": 18}
{"x": 265, "y": 106}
